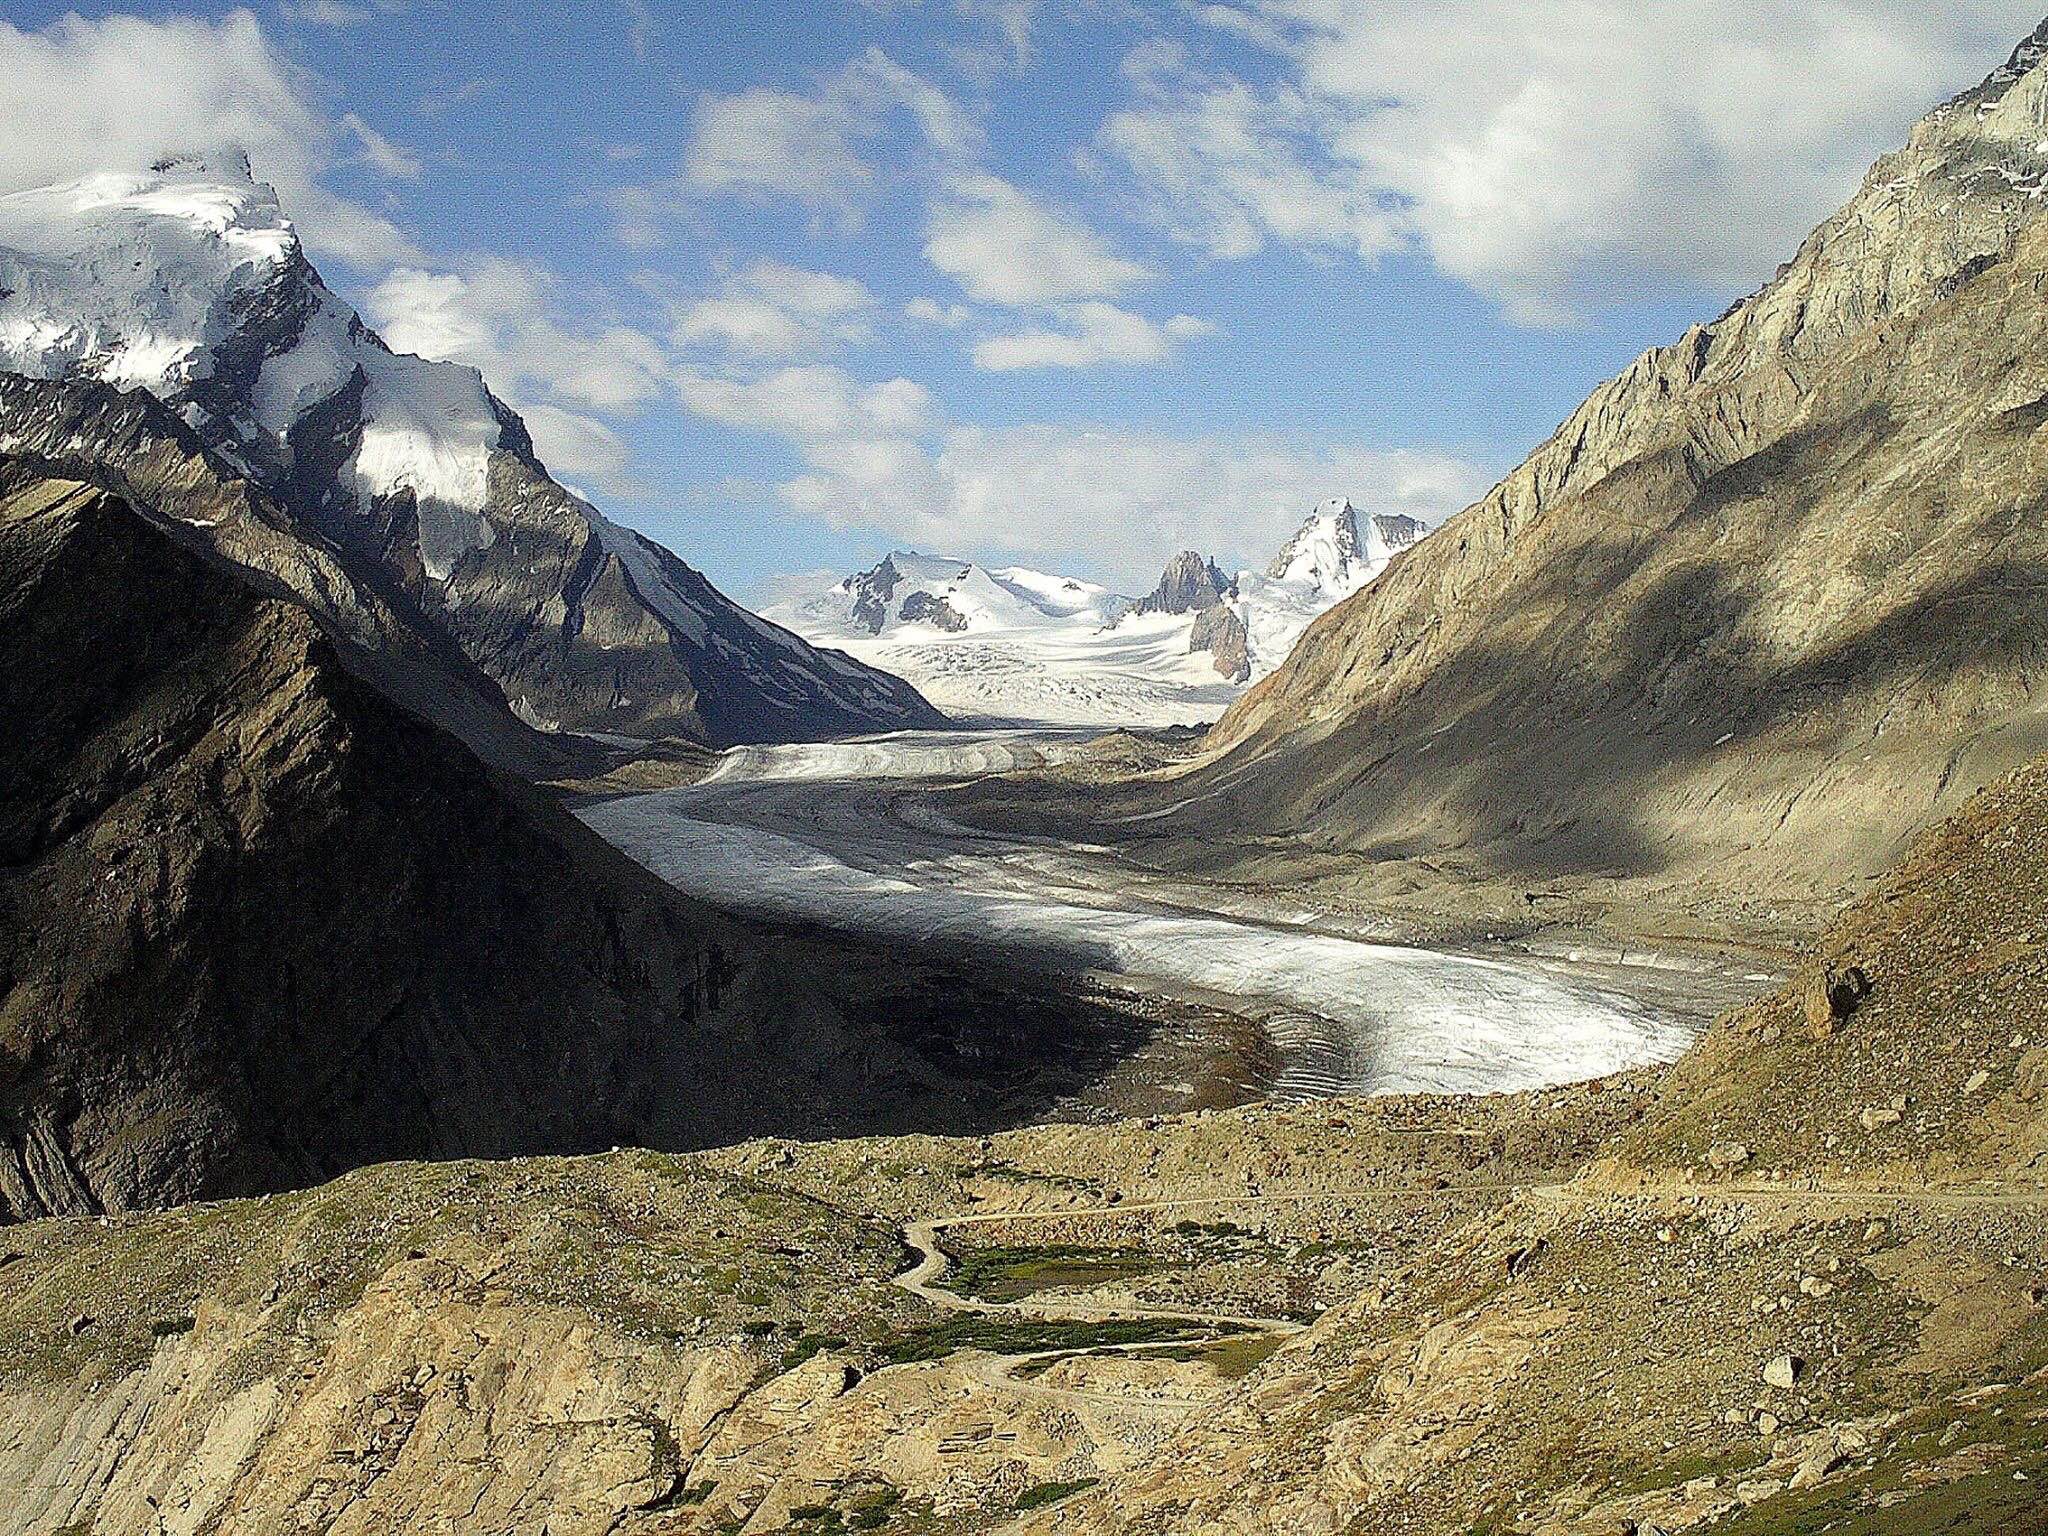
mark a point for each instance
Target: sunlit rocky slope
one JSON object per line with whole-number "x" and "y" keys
{"x": 1764, "y": 606}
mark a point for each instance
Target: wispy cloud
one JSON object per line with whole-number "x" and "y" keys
{"x": 120, "y": 92}
{"x": 885, "y": 457}
{"x": 1087, "y": 336}
{"x": 772, "y": 310}
{"x": 765, "y": 143}
{"x": 1005, "y": 246}
{"x": 1553, "y": 154}
{"x": 379, "y": 153}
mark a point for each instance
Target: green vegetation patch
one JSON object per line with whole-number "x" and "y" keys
{"x": 1006, "y": 1274}
{"x": 1026, "y": 1336}
{"x": 1052, "y": 1493}
{"x": 1231, "y": 1358}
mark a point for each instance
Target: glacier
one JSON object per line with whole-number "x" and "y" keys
{"x": 843, "y": 834}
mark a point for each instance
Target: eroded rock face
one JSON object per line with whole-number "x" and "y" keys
{"x": 1783, "y": 569}
{"x": 259, "y": 925}
{"x": 871, "y": 593}
{"x": 1190, "y": 585}
{"x": 1219, "y": 631}
{"x": 127, "y": 442}
{"x": 923, "y": 608}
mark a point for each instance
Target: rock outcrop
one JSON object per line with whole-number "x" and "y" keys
{"x": 1189, "y": 584}
{"x": 1220, "y": 632}
{"x": 923, "y": 608}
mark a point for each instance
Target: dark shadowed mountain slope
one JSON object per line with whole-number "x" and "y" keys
{"x": 259, "y": 925}
{"x": 127, "y": 442}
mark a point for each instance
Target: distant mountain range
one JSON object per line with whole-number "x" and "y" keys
{"x": 1017, "y": 644}
{"x": 397, "y": 496}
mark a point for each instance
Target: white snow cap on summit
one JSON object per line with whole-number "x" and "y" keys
{"x": 140, "y": 279}
{"x": 134, "y": 278}
{"x": 1337, "y": 551}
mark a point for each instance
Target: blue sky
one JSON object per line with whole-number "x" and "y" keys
{"x": 1075, "y": 284}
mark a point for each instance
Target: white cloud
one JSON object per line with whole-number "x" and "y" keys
{"x": 773, "y": 310}
{"x": 499, "y": 317}
{"x": 120, "y": 92}
{"x": 768, "y": 143}
{"x": 1005, "y": 246}
{"x": 929, "y": 311}
{"x": 380, "y": 153}
{"x": 582, "y": 451}
{"x": 636, "y": 217}
{"x": 1111, "y": 500}
{"x": 1225, "y": 167}
{"x": 1090, "y": 334}
{"x": 811, "y": 404}
{"x": 1550, "y": 153}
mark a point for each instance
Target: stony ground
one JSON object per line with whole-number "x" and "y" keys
{"x": 1493, "y": 1342}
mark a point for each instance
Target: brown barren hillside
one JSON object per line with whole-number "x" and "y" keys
{"x": 1766, "y": 605}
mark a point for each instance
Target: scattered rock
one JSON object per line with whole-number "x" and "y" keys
{"x": 80, "y": 1323}
{"x": 1816, "y": 1287}
{"x": 1976, "y": 1083}
{"x": 2030, "y": 1082}
{"x": 1879, "y": 1115}
{"x": 1784, "y": 1371}
{"x": 1830, "y": 996}
{"x": 1727, "y": 1155}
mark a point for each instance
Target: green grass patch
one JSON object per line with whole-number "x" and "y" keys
{"x": 1052, "y": 1493}
{"x": 1027, "y": 1336}
{"x": 1007, "y": 1274}
{"x": 1231, "y": 1358}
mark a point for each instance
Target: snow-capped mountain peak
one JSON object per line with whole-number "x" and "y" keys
{"x": 905, "y": 589}
{"x": 1019, "y": 644}
{"x": 1338, "y": 550}
{"x": 188, "y": 281}
{"x": 136, "y": 278}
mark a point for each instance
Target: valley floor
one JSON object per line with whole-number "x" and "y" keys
{"x": 1259, "y": 1321}
{"x": 848, "y": 835}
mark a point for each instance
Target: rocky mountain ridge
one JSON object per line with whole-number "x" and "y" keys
{"x": 259, "y": 924}
{"x": 1778, "y": 580}
{"x": 189, "y": 282}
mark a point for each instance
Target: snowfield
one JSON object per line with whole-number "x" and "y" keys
{"x": 1045, "y": 649}
{"x": 1010, "y": 644}
{"x": 837, "y": 834}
